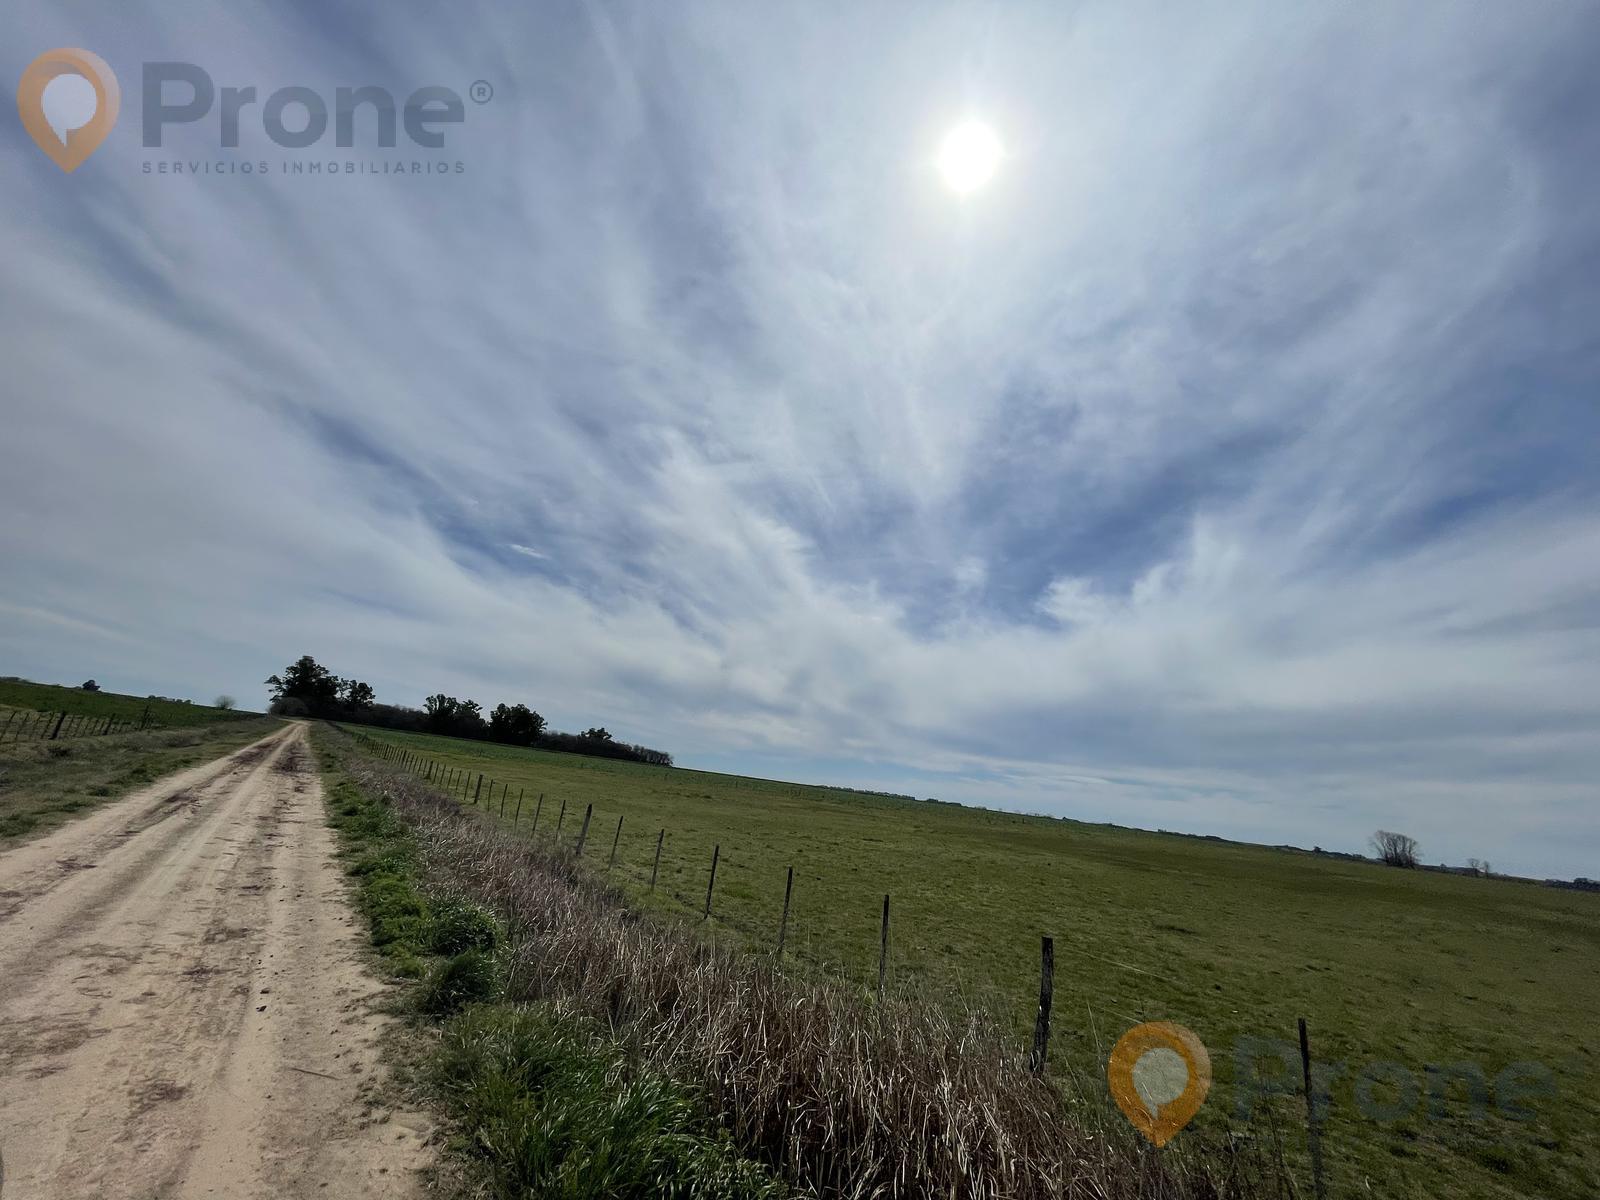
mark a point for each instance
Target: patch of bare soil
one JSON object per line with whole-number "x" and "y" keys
{"x": 184, "y": 1009}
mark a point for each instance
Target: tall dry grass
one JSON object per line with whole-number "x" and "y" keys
{"x": 845, "y": 1097}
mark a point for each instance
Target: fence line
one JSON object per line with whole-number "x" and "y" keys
{"x": 53, "y": 725}
{"x": 703, "y": 909}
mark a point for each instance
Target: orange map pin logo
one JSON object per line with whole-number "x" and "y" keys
{"x": 1159, "y": 1075}
{"x": 68, "y": 100}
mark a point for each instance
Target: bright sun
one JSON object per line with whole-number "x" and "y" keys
{"x": 969, "y": 156}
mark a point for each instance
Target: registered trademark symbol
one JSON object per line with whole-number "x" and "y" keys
{"x": 482, "y": 91}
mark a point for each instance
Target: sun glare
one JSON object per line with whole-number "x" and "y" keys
{"x": 969, "y": 156}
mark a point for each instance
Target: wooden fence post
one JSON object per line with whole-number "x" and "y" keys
{"x": 716, "y": 852}
{"x": 883, "y": 946}
{"x": 561, "y": 816}
{"x": 57, "y": 729}
{"x": 783, "y": 925}
{"x": 479, "y": 789}
{"x": 615, "y": 838}
{"x": 1313, "y": 1121}
{"x": 537, "y": 809}
{"x": 10, "y": 717}
{"x": 657, "y": 865}
{"x": 517, "y": 816}
{"x": 503, "y": 792}
{"x": 1041, "y": 1023}
{"x": 583, "y": 834}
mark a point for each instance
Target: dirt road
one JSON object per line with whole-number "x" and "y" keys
{"x": 184, "y": 1010}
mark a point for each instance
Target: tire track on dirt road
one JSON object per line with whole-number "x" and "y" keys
{"x": 184, "y": 1010}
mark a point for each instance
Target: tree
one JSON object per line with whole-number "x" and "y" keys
{"x": 225, "y": 702}
{"x": 469, "y": 720}
{"x": 515, "y": 724}
{"x": 358, "y": 696}
{"x": 89, "y": 685}
{"x": 442, "y": 712}
{"x": 309, "y": 682}
{"x": 1395, "y": 849}
{"x": 599, "y": 734}
{"x": 1479, "y": 866}
{"x": 457, "y": 718}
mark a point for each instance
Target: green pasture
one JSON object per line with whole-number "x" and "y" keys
{"x": 1415, "y": 984}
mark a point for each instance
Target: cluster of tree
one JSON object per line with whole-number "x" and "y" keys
{"x": 309, "y": 689}
{"x": 1395, "y": 849}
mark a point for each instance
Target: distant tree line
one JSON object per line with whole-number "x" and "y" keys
{"x": 308, "y": 689}
{"x": 1580, "y": 884}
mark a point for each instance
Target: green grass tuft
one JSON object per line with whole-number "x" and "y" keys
{"x": 468, "y": 978}
{"x": 557, "y": 1113}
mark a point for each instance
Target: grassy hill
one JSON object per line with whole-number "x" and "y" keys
{"x": 1396, "y": 971}
{"x": 48, "y": 697}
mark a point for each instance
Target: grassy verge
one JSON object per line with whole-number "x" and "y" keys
{"x": 833, "y": 1091}
{"x": 543, "y": 1101}
{"x": 45, "y": 783}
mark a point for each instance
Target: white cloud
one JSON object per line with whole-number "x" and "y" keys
{"x": 1219, "y": 467}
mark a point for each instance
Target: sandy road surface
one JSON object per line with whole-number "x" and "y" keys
{"x": 183, "y": 1007}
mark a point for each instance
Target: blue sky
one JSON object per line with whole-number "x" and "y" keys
{"x": 1227, "y": 464}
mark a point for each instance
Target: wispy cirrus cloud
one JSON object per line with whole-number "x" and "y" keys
{"x": 1226, "y": 465}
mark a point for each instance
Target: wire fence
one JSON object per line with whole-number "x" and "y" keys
{"x": 468, "y": 787}
{"x": 548, "y": 817}
{"x": 21, "y": 724}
